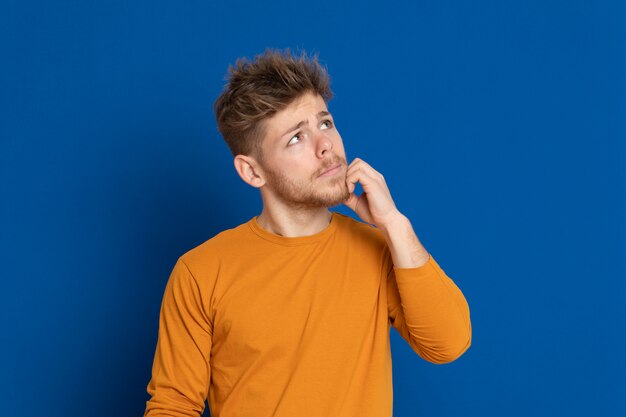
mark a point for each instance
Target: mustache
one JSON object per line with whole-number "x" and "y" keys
{"x": 335, "y": 161}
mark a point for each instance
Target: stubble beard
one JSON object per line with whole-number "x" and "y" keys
{"x": 316, "y": 193}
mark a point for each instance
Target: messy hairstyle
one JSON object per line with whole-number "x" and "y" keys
{"x": 257, "y": 90}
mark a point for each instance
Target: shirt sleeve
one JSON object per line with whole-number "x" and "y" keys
{"x": 181, "y": 370}
{"x": 429, "y": 311}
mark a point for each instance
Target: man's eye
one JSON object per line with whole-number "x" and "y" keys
{"x": 293, "y": 137}
{"x": 328, "y": 123}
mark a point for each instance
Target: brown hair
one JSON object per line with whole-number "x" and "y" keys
{"x": 259, "y": 89}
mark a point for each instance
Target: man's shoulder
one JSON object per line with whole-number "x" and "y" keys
{"x": 233, "y": 243}
{"x": 365, "y": 241}
{"x": 214, "y": 249}
{"x": 361, "y": 231}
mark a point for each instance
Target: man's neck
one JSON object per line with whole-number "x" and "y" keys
{"x": 289, "y": 223}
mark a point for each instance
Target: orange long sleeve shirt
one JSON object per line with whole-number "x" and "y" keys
{"x": 270, "y": 326}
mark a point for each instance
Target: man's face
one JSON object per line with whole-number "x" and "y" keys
{"x": 300, "y": 144}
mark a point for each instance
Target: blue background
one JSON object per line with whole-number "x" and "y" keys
{"x": 499, "y": 127}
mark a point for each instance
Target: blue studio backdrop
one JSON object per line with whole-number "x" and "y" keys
{"x": 499, "y": 127}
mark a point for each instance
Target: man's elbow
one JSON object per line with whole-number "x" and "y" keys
{"x": 452, "y": 350}
{"x": 452, "y": 355}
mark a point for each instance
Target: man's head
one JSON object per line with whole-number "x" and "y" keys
{"x": 258, "y": 89}
{"x": 273, "y": 115}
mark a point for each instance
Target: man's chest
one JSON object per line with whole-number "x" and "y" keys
{"x": 278, "y": 306}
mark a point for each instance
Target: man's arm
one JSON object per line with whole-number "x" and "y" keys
{"x": 406, "y": 249}
{"x": 425, "y": 306}
{"x": 181, "y": 370}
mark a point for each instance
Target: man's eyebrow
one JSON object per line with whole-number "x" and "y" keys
{"x": 305, "y": 122}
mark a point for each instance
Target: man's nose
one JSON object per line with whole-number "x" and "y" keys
{"x": 324, "y": 144}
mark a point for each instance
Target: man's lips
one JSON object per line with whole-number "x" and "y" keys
{"x": 332, "y": 170}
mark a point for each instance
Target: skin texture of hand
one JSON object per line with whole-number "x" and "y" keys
{"x": 374, "y": 205}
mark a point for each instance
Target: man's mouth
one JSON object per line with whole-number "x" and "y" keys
{"x": 331, "y": 171}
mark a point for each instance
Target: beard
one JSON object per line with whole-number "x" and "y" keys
{"x": 315, "y": 193}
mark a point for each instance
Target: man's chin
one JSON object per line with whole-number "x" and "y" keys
{"x": 340, "y": 199}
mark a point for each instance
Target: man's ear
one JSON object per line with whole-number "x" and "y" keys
{"x": 249, "y": 170}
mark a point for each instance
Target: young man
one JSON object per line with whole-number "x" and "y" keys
{"x": 289, "y": 313}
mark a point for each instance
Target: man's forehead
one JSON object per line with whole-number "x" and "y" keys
{"x": 299, "y": 110}
{"x": 301, "y": 107}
